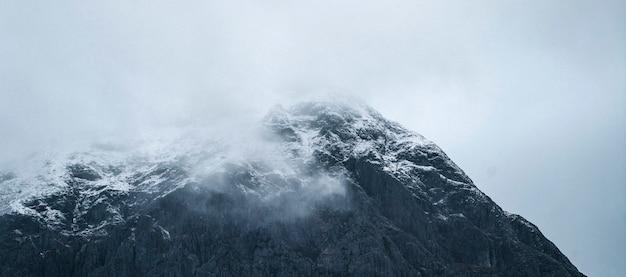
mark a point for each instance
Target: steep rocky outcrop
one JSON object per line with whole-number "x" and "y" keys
{"x": 351, "y": 194}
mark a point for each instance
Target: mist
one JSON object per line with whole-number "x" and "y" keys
{"x": 75, "y": 72}
{"x": 528, "y": 97}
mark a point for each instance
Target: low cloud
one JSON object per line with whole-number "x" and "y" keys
{"x": 536, "y": 73}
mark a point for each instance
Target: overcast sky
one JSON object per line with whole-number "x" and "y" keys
{"x": 528, "y": 97}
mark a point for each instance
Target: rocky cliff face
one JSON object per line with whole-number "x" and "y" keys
{"x": 333, "y": 190}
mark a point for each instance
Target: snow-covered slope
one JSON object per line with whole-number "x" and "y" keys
{"x": 319, "y": 189}
{"x": 340, "y": 134}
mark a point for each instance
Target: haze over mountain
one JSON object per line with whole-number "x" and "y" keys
{"x": 528, "y": 97}
{"x": 320, "y": 189}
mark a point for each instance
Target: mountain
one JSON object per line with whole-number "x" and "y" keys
{"x": 323, "y": 189}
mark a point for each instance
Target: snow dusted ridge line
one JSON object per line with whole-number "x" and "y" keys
{"x": 97, "y": 169}
{"x": 359, "y": 131}
{"x": 326, "y": 189}
{"x": 309, "y": 132}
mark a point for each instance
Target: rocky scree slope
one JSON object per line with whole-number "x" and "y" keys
{"x": 340, "y": 192}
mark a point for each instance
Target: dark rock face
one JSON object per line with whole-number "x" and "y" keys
{"x": 404, "y": 209}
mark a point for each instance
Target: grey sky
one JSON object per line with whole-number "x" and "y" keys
{"x": 528, "y": 97}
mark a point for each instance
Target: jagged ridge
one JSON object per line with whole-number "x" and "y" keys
{"x": 351, "y": 194}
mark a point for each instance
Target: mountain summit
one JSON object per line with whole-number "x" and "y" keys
{"x": 324, "y": 189}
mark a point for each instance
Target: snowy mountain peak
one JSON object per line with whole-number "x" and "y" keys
{"x": 327, "y": 189}
{"x": 312, "y": 132}
{"x": 337, "y": 133}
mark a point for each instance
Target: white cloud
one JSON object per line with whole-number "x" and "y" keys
{"x": 486, "y": 80}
